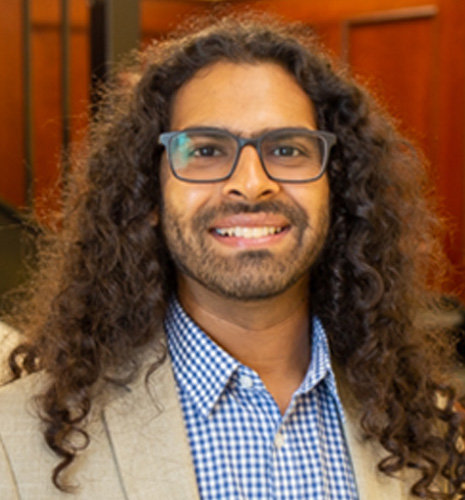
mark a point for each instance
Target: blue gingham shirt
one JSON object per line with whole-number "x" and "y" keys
{"x": 242, "y": 447}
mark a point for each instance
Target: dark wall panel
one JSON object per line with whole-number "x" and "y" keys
{"x": 12, "y": 178}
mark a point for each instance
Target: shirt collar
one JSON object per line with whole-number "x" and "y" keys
{"x": 320, "y": 369}
{"x": 203, "y": 369}
{"x": 320, "y": 364}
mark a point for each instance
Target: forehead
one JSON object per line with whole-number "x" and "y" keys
{"x": 243, "y": 98}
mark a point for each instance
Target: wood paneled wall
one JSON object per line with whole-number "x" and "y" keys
{"x": 47, "y": 92}
{"x": 46, "y": 96}
{"x": 409, "y": 52}
{"x": 12, "y": 178}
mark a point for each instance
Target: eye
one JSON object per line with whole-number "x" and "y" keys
{"x": 286, "y": 151}
{"x": 206, "y": 151}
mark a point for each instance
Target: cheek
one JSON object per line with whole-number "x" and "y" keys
{"x": 183, "y": 198}
{"x": 312, "y": 197}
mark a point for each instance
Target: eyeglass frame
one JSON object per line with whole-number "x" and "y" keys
{"x": 329, "y": 140}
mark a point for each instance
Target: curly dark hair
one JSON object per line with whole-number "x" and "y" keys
{"x": 105, "y": 273}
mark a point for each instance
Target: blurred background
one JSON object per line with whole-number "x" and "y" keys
{"x": 411, "y": 53}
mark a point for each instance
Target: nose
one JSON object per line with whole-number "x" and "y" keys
{"x": 249, "y": 181}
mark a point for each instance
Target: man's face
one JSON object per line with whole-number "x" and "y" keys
{"x": 248, "y": 237}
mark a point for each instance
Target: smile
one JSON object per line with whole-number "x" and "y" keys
{"x": 248, "y": 232}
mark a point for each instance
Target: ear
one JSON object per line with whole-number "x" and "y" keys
{"x": 154, "y": 217}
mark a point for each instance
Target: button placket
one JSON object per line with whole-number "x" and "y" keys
{"x": 279, "y": 439}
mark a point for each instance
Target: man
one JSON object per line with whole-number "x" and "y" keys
{"x": 231, "y": 308}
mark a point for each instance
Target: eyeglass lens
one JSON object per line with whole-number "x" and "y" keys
{"x": 210, "y": 155}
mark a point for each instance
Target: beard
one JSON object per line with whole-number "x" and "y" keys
{"x": 249, "y": 274}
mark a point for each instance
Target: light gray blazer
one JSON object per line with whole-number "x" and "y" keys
{"x": 138, "y": 450}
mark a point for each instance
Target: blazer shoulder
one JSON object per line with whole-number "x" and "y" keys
{"x": 9, "y": 339}
{"x": 17, "y": 396}
{"x": 23, "y": 454}
{"x": 27, "y": 462}
{"x": 20, "y": 424}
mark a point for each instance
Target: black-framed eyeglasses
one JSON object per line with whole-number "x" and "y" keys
{"x": 212, "y": 154}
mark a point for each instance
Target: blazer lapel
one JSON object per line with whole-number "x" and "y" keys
{"x": 365, "y": 457}
{"x": 145, "y": 428}
{"x": 366, "y": 454}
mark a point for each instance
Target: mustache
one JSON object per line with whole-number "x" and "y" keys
{"x": 295, "y": 214}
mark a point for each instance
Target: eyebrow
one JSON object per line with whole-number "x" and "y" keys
{"x": 240, "y": 133}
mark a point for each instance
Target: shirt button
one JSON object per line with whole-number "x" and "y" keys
{"x": 279, "y": 440}
{"x": 245, "y": 381}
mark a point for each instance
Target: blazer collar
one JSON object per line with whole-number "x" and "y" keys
{"x": 366, "y": 454}
{"x": 148, "y": 439}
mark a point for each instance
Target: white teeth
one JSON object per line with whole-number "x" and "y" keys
{"x": 248, "y": 232}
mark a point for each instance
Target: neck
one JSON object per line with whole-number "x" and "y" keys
{"x": 271, "y": 336}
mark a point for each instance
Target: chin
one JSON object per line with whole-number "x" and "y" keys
{"x": 247, "y": 288}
